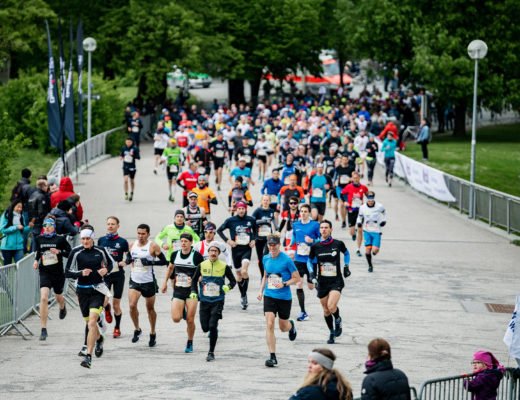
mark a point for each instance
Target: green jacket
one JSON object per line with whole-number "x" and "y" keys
{"x": 171, "y": 235}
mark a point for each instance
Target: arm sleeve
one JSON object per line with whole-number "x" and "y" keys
{"x": 282, "y": 224}
{"x": 162, "y": 260}
{"x": 346, "y": 254}
{"x": 71, "y": 262}
{"x": 221, "y": 230}
{"x": 195, "y": 280}
{"x": 231, "y": 277}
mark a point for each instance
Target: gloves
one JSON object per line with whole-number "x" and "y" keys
{"x": 382, "y": 223}
{"x": 226, "y": 289}
{"x": 193, "y": 296}
{"x": 346, "y": 271}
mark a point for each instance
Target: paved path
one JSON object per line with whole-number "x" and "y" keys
{"x": 426, "y": 296}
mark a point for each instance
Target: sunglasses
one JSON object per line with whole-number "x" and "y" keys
{"x": 292, "y": 203}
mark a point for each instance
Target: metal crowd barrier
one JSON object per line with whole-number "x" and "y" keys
{"x": 452, "y": 388}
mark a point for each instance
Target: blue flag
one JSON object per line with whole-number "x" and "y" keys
{"x": 53, "y": 106}
{"x": 69, "y": 98}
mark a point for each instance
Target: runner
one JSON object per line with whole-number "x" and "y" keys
{"x": 389, "y": 147}
{"x": 173, "y": 157}
{"x": 50, "y": 250}
{"x": 342, "y": 174}
{"x": 203, "y": 158}
{"x": 209, "y": 236}
{"x": 272, "y": 188}
{"x": 116, "y": 246}
{"x": 325, "y": 260}
{"x": 319, "y": 185}
{"x": 264, "y": 216}
{"x": 181, "y": 270}
{"x": 280, "y": 273}
{"x": 261, "y": 149}
{"x": 206, "y": 196}
{"x": 161, "y": 139}
{"x": 89, "y": 264}
{"x": 144, "y": 255}
{"x": 291, "y": 190}
{"x": 353, "y": 197}
{"x": 238, "y": 193}
{"x": 242, "y": 230}
{"x": 195, "y": 215}
{"x": 372, "y": 149}
{"x": 241, "y": 171}
{"x": 212, "y": 291}
{"x": 129, "y": 153}
{"x": 219, "y": 149}
{"x": 169, "y": 237}
{"x": 372, "y": 217}
{"x": 304, "y": 233}
{"x": 187, "y": 180}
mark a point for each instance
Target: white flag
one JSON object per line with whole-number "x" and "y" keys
{"x": 512, "y": 336}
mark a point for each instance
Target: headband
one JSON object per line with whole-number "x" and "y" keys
{"x": 87, "y": 233}
{"x": 49, "y": 221}
{"x": 321, "y": 359}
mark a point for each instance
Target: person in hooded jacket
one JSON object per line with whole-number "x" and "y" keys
{"x": 64, "y": 220}
{"x": 66, "y": 190}
{"x": 383, "y": 381}
{"x": 13, "y": 228}
{"x": 323, "y": 381}
{"x": 487, "y": 374}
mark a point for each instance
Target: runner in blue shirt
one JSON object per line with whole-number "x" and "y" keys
{"x": 280, "y": 273}
{"x": 272, "y": 187}
{"x": 319, "y": 185}
{"x": 241, "y": 170}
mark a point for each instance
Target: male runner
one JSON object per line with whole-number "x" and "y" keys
{"x": 169, "y": 237}
{"x": 289, "y": 217}
{"x": 116, "y": 246}
{"x": 304, "y": 233}
{"x": 353, "y": 195}
{"x": 209, "y": 237}
{"x": 50, "y": 250}
{"x": 372, "y": 217}
{"x": 242, "y": 231}
{"x": 319, "y": 185}
{"x": 187, "y": 180}
{"x": 181, "y": 270}
{"x": 325, "y": 261}
{"x": 144, "y": 255}
{"x": 209, "y": 277}
{"x": 89, "y": 264}
{"x": 173, "y": 157}
{"x": 272, "y": 187}
{"x": 129, "y": 153}
{"x": 280, "y": 273}
{"x": 341, "y": 179}
{"x": 195, "y": 215}
{"x": 219, "y": 149}
{"x": 264, "y": 216}
{"x": 206, "y": 195}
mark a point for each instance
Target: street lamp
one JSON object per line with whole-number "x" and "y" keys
{"x": 477, "y": 50}
{"x": 89, "y": 45}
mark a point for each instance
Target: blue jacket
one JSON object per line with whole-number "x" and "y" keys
{"x": 389, "y": 147}
{"x": 424, "y": 135}
{"x": 12, "y": 237}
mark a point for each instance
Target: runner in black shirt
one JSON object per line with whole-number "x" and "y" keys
{"x": 342, "y": 175}
{"x": 129, "y": 153}
{"x": 264, "y": 216}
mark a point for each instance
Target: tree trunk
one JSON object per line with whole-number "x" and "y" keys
{"x": 255, "y": 88}
{"x": 236, "y": 91}
{"x": 141, "y": 86}
{"x": 460, "y": 118}
{"x": 341, "y": 65}
{"x": 161, "y": 97}
{"x": 441, "y": 121}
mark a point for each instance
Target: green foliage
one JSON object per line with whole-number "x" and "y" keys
{"x": 9, "y": 151}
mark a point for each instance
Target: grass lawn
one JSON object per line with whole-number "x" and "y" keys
{"x": 497, "y": 159}
{"x": 37, "y": 162}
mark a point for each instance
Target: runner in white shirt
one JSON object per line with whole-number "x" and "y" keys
{"x": 160, "y": 141}
{"x": 209, "y": 236}
{"x": 371, "y": 217}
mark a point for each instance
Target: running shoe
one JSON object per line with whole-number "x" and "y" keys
{"x": 87, "y": 361}
{"x": 126, "y": 196}
{"x": 331, "y": 338}
{"x": 243, "y": 302}
{"x": 189, "y": 348}
{"x": 131, "y": 197}
{"x": 292, "y": 331}
{"x": 271, "y": 362}
{"x": 210, "y": 357}
{"x": 338, "y": 328}
{"x": 370, "y": 269}
{"x": 108, "y": 314}
{"x": 343, "y": 225}
{"x": 137, "y": 333}
{"x": 98, "y": 351}
{"x": 303, "y": 316}
{"x": 358, "y": 252}
{"x": 63, "y": 312}
{"x": 116, "y": 333}
{"x": 170, "y": 198}
{"x": 155, "y": 171}
{"x": 83, "y": 351}
{"x": 43, "y": 335}
{"x": 152, "y": 342}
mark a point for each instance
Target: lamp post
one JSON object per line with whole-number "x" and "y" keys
{"x": 477, "y": 50}
{"x": 89, "y": 45}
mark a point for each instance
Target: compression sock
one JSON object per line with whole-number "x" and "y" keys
{"x": 245, "y": 285}
{"x": 118, "y": 320}
{"x": 86, "y": 335}
{"x": 273, "y": 356}
{"x": 241, "y": 287}
{"x": 213, "y": 336}
{"x": 369, "y": 259}
{"x": 336, "y": 313}
{"x": 301, "y": 299}
{"x": 330, "y": 322}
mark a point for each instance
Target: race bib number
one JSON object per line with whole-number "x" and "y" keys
{"x": 49, "y": 258}
{"x": 182, "y": 280}
{"x": 201, "y": 170}
{"x": 135, "y": 129}
{"x": 242, "y": 238}
{"x": 303, "y": 249}
{"x": 138, "y": 266}
{"x": 211, "y": 289}
{"x": 261, "y": 152}
{"x": 128, "y": 158}
{"x": 273, "y": 280}
{"x": 317, "y": 193}
{"x": 274, "y": 198}
{"x": 343, "y": 179}
{"x": 328, "y": 269}
{"x": 219, "y": 154}
{"x": 264, "y": 230}
{"x": 251, "y": 142}
{"x": 173, "y": 168}
{"x": 356, "y": 202}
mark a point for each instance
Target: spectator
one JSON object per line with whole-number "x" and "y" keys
{"x": 64, "y": 219}
{"x": 488, "y": 373}
{"x": 53, "y": 185}
{"x": 423, "y": 138}
{"x": 39, "y": 205}
{"x": 22, "y": 188}
{"x": 323, "y": 381}
{"x": 66, "y": 190}
{"x": 13, "y": 228}
{"x": 383, "y": 381}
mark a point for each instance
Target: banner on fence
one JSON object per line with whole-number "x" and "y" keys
{"x": 512, "y": 336}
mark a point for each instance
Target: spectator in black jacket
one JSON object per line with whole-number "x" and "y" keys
{"x": 64, "y": 218}
{"x": 39, "y": 205}
{"x": 22, "y": 189}
{"x": 383, "y": 382}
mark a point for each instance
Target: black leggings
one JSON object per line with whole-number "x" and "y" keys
{"x": 389, "y": 163}
{"x": 261, "y": 246}
{"x": 371, "y": 164}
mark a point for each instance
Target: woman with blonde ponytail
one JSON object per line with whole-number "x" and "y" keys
{"x": 323, "y": 381}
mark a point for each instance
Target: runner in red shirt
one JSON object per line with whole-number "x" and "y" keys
{"x": 353, "y": 195}
{"x": 188, "y": 181}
